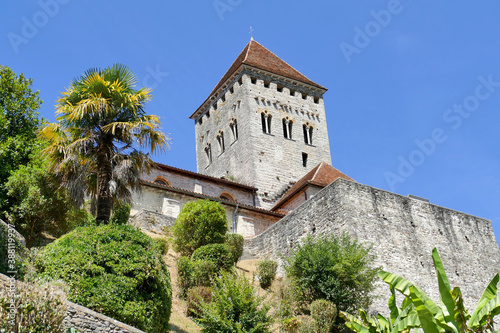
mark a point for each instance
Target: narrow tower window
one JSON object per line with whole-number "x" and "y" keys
{"x": 253, "y": 80}
{"x": 287, "y": 128}
{"x": 292, "y": 92}
{"x": 308, "y": 134}
{"x": 266, "y": 123}
{"x": 234, "y": 129}
{"x": 304, "y": 159}
{"x": 220, "y": 139}
{"x": 266, "y": 84}
{"x": 208, "y": 151}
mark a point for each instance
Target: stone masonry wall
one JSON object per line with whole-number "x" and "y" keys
{"x": 266, "y": 161}
{"x": 154, "y": 208}
{"x": 402, "y": 231}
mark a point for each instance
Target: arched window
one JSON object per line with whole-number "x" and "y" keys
{"x": 234, "y": 128}
{"x": 220, "y": 139}
{"x": 162, "y": 181}
{"x": 227, "y": 196}
{"x": 266, "y": 122}
{"x": 208, "y": 151}
{"x": 308, "y": 134}
{"x": 287, "y": 128}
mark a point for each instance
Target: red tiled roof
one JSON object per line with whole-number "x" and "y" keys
{"x": 256, "y": 55}
{"x": 199, "y": 175}
{"x": 200, "y": 195}
{"x": 321, "y": 175}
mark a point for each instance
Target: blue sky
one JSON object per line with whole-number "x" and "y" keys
{"x": 414, "y": 86}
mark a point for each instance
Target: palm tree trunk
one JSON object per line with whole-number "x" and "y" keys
{"x": 104, "y": 175}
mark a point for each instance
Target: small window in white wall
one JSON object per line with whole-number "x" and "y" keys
{"x": 220, "y": 139}
{"x": 208, "y": 152}
{"x": 234, "y": 129}
{"x": 308, "y": 134}
{"x": 266, "y": 122}
{"x": 287, "y": 128}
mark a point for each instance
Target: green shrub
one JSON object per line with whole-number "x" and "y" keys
{"x": 194, "y": 273}
{"x": 266, "y": 272}
{"x": 235, "y": 242}
{"x": 121, "y": 214}
{"x": 113, "y": 269}
{"x": 11, "y": 256}
{"x": 185, "y": 275}
{"x": 337, "y": 269}
{"x": 204, "y": 272}
{"x": 162, "y": 244}
{"x": 195, "y": 296}
{"x": 324, "y": 313}
{"x": 199, "y": 223}
{"x": 235, "y": 307}
{"x": 37, "y": 309}
{"x": 219, "y": 254}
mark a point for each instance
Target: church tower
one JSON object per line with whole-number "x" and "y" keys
{"x": 263, "y": 125}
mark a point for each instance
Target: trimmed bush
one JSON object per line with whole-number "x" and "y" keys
{"x": 38, "y": 309}
{"x": 162, "y": 244}
{"x": 235, "y": 307}
{"x": 195, "y": 296}
{"x": 199, "y": 223}
{"x": 235, "y": 242}
{"x": 219, "y": 254}
{"x": 337, "y": 269}
{"x": 266, "y": 272}
{"x": 112, "y": 269}
{"x": 185, "y": 273}
{"x": 324, "y": 313}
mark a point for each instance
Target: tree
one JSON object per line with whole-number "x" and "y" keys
{"x": 199, "y": 223}
{"x": 39, "y": 205}
{"x": 93, "y": 146}
{"x": 18, "y": 126}
{"x": 337, "y": 269}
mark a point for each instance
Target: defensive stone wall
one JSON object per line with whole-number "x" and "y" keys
{"x": 402, "y": 232}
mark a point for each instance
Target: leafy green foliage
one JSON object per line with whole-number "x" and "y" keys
{"x": 39, "y": 309}
{"x": 337, "y": 269}
{"x": 195, "y": 273}
{"x": 219, "y": 254}
{"x": 93, "y": 145}
{"x": 15, "y": 252}
{"x": 199, "y": 223}
{"x": 266, "y": 272}
{"x": 18, "y": 126}
{"x": 451, "y": 316}
{"x": 324, "y": 313}
{"x": 235, "y": 242}
{"x": 195, "y": 296}
{"x": 235, "y": 307}
{"x": 162, "y": 244}
{"x": 39, "y": 205}
{"x": 112, "y": 269}
{"x": 121, "y": 214}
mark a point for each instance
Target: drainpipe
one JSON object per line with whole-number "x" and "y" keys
{"x": 234, "y": 218}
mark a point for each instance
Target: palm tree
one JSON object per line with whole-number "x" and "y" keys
{"x": 94, "y": 146}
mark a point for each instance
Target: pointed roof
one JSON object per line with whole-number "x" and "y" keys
{"x": 257, "y": 56}
{"x": 321, "y": 175}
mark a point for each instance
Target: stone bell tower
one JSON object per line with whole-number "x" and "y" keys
{"x": 263, "y": 125}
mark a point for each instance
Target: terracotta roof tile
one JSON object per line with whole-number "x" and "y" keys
{"x": 256, "y": 55}
{"x": 321, "y": 175}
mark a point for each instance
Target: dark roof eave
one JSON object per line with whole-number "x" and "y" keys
{"x": 199, "y": 175}
{"x": 203, "y": 196}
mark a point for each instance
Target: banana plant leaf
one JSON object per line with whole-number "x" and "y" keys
{"x": 488, "y": 294}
